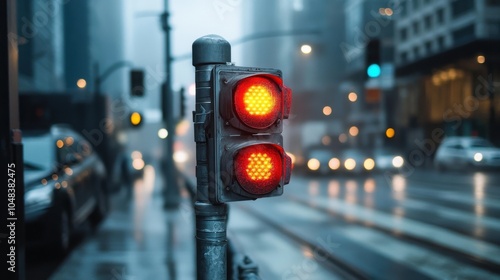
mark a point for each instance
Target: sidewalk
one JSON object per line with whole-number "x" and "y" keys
{"x": 138, "y": 240}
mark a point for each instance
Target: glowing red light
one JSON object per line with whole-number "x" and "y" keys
{"x": 257, "y": 102}
{"x": 259, "y": 168}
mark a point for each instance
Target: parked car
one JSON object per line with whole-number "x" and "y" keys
{"x": 466, "y": 152}
{"x": 64, "y": 186}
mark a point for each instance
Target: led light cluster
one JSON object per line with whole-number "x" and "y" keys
{"x": 258, "y": 100}
{"x": 259, "y": 166}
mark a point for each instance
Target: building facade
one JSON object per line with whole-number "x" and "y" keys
{"x": 447, "y": 68}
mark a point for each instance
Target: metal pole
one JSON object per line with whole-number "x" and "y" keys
{"x": 171, "y": 191}
{"x": 12, "y": 238}
{"x": 211, "y": 220}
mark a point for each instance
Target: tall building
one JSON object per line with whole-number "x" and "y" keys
{"x": 302, "y": 38}
{"x": 61, "y": 41}
{"x": 447, "y": 56}
{"x": 367, "y": 87}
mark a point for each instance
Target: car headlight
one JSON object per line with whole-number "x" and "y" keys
{"x": 39, "y": 196}
{"x": 313, "y": 164}
{"x": 369, "y": 164}
{"x": 478, "y": 157}
{"x": 334, "y": 163}
{"x": 350, "y": 164}
{"x": 398, "y": 161}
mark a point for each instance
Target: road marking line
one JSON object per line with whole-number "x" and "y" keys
{"x": 450, "y": 213}
{"x": 409, "y": 227}
{"x": 420, "y": 259}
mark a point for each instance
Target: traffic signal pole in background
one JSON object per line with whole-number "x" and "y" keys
{"x": 238, "y": 121}
{"x": 171, "y": 188}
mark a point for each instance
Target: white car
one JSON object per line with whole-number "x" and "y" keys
{"x": 466, "y": 152}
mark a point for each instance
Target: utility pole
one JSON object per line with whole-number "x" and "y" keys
{"x": 171, "y": 189}
{"x": 12, "y": 238}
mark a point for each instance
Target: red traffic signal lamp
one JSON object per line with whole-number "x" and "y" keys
{"x": 246, "y": 159}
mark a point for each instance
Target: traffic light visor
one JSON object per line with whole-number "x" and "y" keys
{"x": 257, "y": 102}
{"x": 259, "y": 168}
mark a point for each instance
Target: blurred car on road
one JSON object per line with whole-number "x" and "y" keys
{"x": 466, "y": 152}
{"x": 318, "y": 160}
{"x": 387, "y": 159}
{"x": 65, "y": 185}
{"x": 356, "y": 161}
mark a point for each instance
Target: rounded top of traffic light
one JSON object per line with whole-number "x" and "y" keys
{"x": 211, "y": 49}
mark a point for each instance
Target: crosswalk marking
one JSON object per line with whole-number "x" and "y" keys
{"x": 457, "y": 197}
{"x": 417, "y": 258}
{"x": 450, "y": 213}
{"x": 428, "y": 232}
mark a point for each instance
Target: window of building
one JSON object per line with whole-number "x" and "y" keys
{"x": 415, "y": 28}
{"x": 461, "y": 7}
{"x": 404, "y": 8}
{"x": 403, "y": 57}
{"x": 428, "y": 47}
{"x": 403, "y": 34}
{"x": 464, "y": 34}
{"x": 493, "y": 28}
{"x": 415, "y": 4}
{"x": 440, "y": 42}
{"x": 416, "y": 52}
{"x": 440, "y": 16}
{"x": 428, "y": 22}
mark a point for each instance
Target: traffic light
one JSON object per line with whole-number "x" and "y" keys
{"x": 373, "y": 59}
{"x": 246, "y": 159}
{"x": 135, "y": 119}
{"x": 137, "y": 82}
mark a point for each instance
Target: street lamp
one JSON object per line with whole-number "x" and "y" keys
{"x": 306, "y": 49}
{"x": 352, "y": 97}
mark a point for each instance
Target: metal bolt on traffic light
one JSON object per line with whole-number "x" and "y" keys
{"x": 238, "y": 123}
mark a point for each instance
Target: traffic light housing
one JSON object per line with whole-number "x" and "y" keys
{"x": 246, "y": 159}
{"x": 137, "y": 82}
{"x": 373, "y": 69}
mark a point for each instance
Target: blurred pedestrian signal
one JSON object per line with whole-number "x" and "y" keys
{"x": 245, "y": 146}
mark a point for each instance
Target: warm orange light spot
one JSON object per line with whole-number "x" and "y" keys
{"x": 353, "y": 131}
{"x": 135, "y": 118}
{"x": 81, "y": 83}
{"x": 334, "y": 163}
{"x": 70, "y": 141}
{"x": 481, "y": 59}
{"x": 258, "y": 100}
{"x": 259, "y": 166}
{"x": 327, "y": 110}
{"x": 60, "y": 143}
{"x": 352, "y": 97}
{"x": 390, "y": 132}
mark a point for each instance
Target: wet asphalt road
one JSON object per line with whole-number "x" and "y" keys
{"x": 423, "y": 226}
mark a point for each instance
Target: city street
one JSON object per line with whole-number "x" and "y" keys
{"x": 425, "y": 226}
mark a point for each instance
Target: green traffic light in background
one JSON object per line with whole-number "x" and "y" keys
{"x": 373, "y": 71}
